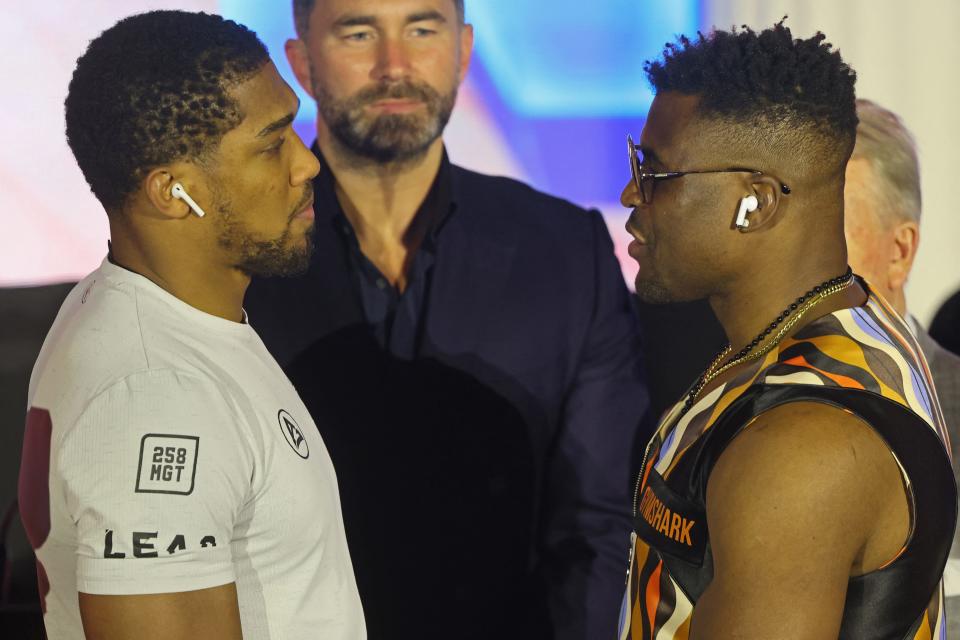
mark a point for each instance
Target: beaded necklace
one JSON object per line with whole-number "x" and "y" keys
{"x": 794, "y": 312}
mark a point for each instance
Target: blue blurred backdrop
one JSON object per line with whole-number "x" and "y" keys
{"x": 564, "y": 85}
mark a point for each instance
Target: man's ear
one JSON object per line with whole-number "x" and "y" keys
{"x": 466, "y": 49}
{"x": 769, "y": 202}
{"x": 906, "y": 239}
{"x": 158, "y": 190}
{"x": 296, "y": 50}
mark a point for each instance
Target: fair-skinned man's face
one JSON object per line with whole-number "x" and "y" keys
{"x": 260, "y": 182}
{"x": 385, "y": 73}
{"x": 878, "y": 249}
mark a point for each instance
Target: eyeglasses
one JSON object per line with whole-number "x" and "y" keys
{"x": 646, "y": 181}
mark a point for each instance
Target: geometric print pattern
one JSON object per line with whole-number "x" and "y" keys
{"x": 868, "y": 348}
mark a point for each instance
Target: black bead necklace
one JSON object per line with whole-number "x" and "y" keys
{"x": 829, "y": 286}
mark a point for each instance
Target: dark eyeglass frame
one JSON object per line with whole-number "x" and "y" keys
{"x": 647, "y": 181}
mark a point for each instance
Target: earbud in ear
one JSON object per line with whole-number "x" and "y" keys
{"x": 180, "y": 193}
{"x": 747, "y": 204}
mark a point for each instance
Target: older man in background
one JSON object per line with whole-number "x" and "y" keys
{"x": 882, "y": 206}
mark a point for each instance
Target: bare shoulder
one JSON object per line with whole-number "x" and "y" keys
{"x": 810, "y": 441}
{"x": 800, "y": 459}
{"x": 805, "y": 497}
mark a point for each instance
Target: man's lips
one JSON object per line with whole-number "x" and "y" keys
{"x": 631, "y": 228}
{"x": 394, "y": 105}
{"x": 307, "y": 212}
{"x": 638, "y": 246}
{"x": 636, "y": 249}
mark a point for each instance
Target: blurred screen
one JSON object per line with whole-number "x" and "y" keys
{"x": 554, "y": 87}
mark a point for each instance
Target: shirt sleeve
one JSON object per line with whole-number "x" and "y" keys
{"x": 153, "y": 475}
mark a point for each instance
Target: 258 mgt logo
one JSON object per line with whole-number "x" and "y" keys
{"x": 168, "y": 464}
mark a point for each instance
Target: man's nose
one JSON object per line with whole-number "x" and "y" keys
{"x": 305, "y": 166}
{"x": 393, "y": 60}
{"x": 630, "y": 196}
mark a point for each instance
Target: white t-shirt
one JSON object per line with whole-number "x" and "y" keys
{"x": 166, "y": 451}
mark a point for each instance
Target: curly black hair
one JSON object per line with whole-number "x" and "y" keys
{"x": 303, "y": 8}
{"x": 764, "y": 79}
{"x": 153, "y": 89}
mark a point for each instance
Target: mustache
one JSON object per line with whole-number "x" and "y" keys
{"x": 307, "y": 196}
{"x": 405, "y": 90}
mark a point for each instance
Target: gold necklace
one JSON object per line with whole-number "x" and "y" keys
{"x": 795, "y": 311}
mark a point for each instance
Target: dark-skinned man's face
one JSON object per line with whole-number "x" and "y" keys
{"x": 682, "y": 239}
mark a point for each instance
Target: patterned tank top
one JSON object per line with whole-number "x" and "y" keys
{"x": 862, "y": 359}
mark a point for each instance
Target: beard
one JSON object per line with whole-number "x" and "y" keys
{"x": 653, "y": 292}
{"x": 281, "y": 256}
{"x": 386, "y": 138}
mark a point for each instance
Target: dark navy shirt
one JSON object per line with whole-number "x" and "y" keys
{"x": 396, "y": 317}
{"x": 482, "y": 422}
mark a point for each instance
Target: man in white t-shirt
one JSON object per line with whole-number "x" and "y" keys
{"x": 173, "y": 485}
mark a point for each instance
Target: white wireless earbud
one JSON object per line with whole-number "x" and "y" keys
{"x": 747, "y": 204}
{"x": 180, "y": 193}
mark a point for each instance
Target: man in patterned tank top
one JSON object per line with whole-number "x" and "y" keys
{"x": 802, "y": 488}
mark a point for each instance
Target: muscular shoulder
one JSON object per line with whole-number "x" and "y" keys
{"x": 802, "y": 460}
{"x": 798, "y": 435}
{"x": 805, "y": 497}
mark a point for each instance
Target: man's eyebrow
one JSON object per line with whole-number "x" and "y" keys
{"x": 276, "y": 125}
{"x": 355, "y": 20}
{"x": 358, "y": 20}
{"x": 425, "y": 16}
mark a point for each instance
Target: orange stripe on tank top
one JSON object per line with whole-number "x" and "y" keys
{"x": 843, "y": 381}
{"x": 653, "y": 597}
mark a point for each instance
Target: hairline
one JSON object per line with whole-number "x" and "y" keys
{"x": 205, "y": 158}
{"x": 301, "y": 17}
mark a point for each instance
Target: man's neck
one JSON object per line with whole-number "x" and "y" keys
{"x": 381, "y": 200}
{"x": 190, "y": 276}
{"x": 747, "y": 308}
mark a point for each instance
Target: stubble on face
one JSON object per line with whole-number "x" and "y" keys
{"x": 280, "y": 256}
{"x": 653, "y": 292}
{"x": 387, "y": 138}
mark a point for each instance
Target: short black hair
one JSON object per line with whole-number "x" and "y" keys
{"x": 152, "y": 89}
{"x": 764, "y": 78}
{"x": 303, "y": 8}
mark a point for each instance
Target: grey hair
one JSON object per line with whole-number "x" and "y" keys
{"x": 888, "y": 146}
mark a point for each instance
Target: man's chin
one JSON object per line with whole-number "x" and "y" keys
{"x": 652, "y": 292}
{"x": 291, "y": 263}
{"x": 398, "y": 147}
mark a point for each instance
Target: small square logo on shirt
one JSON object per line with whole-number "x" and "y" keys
{"x": 168, "y": 464}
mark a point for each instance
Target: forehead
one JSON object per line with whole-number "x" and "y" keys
{"x": 673, "y": 130}
{"x": 859, "y": 191}
{"x": 263, "y": 98}
{"x": 327, "y": 12}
